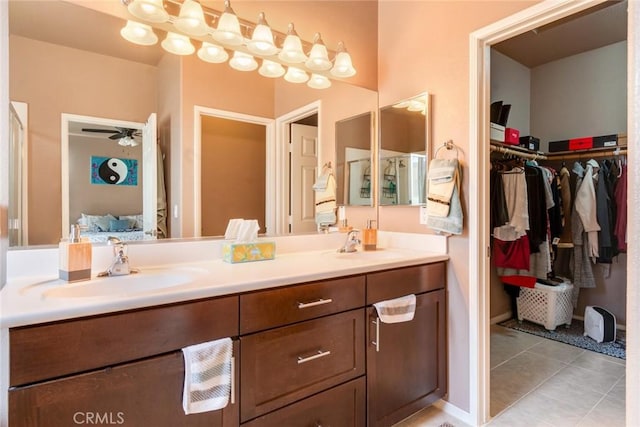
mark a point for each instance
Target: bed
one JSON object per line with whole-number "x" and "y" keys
{"x": 98, "y": 228}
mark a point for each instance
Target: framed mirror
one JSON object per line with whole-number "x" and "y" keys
{"x": 92, "y": 71}
{"x": 402, "y": 158}
{"x": 354, "y": 159}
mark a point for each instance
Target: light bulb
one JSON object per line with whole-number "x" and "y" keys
{"x": 271, "y": 69}
{"x": 138, "y": 33}
{"x": 342, "y": 66}
{"x": 213, "y": 53}
{"x": 296, "y": 75}
{"x": 318, "y": 57}
{"x": 261, "y": 42}
{"x": 148, "y": 10}
{"x": 191, "y": 19}
{"x": 243, "y": 62}
{"x": 292, "y": 48}
{"x": 318, "y": 81}
{"x": 177, "y": 44}
{"x": 228, "y": 30}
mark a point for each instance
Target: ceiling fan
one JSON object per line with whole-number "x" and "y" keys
{"x": 124, "y": 136}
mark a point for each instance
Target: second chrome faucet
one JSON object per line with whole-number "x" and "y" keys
{"x": 352, "y": 242}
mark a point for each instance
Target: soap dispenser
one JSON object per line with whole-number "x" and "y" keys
{"x": 74, "y": 257}
{"x": 370, "y": 237}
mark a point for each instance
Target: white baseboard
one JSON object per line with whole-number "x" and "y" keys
{"x": 454, "y": 411}
{"x": 500, "y": 318}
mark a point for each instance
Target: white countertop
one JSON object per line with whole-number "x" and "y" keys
{"x": 24, "y": 300}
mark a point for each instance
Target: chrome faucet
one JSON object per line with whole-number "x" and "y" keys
{"x": 120, "y": 264}
{"x": 350, "y": 245}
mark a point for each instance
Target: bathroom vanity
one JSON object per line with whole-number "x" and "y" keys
{"x": 307, "y": 352}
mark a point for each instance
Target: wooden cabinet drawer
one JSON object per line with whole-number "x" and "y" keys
{"x": 396, "y": 283}
{"x": 283, "y": 365}
{"x": 145, "y": 393}
{"x": 342, "y": 406}
{"x": 272, "y": 308}
{"x": 57, "y": 349}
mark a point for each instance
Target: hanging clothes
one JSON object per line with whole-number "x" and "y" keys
{"x": 565, "y": 191}
{"x": 585, "y": 204}
{"x": 605, "y": 214}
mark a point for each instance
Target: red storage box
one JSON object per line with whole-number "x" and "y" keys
{"x": 581, "y": 143}
{"x": 511, "y": 136}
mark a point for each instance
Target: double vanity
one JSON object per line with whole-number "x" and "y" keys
{"x": 309, "y": 347}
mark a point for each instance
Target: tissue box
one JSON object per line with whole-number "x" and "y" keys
{"x": 248, "y": 252}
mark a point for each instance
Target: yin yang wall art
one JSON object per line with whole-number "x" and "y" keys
{"x": 114, "y": 171}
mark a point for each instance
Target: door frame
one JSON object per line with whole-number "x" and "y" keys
{"x": 270, "y": 171}
{"x": 66, "y": 118}
{"x": 281, "y": 158}
{"x": 480, "y": 43}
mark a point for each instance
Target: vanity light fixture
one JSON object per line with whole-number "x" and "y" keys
{"x": 227, "y": 37}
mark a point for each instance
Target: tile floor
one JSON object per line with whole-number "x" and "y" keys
{"x": 542, "y": 383}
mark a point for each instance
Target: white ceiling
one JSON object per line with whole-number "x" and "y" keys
{"x": 593, "y": 28}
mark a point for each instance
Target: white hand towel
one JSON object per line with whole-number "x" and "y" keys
{"x": 207, "y": 376}
{"x": 397, "y": 310}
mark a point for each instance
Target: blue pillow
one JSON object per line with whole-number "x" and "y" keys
{"x": 118, "y": 225}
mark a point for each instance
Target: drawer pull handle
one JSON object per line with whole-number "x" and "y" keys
{"x": 377, "y": 341}
{"x": 318, "y": 355}
{"x": 321, "y": 301}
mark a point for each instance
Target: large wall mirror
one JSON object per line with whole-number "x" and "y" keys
{"x": 75, "y": 62}
{"x": 404, "y": 142}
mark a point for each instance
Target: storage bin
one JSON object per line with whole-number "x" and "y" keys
{"x": 546, "y": 305}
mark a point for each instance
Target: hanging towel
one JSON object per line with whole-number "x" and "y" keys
{"x": 325, "y": 189}
{"x": 397, "y": 310}
{"x": 207, "y": 376}
{"x": 442, "y": 181}
{"x": 451, "y": 223}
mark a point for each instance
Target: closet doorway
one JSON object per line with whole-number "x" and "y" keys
{"x": 528, "y": 20}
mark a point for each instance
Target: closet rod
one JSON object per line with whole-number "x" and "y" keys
{"x": 515, "y": 152}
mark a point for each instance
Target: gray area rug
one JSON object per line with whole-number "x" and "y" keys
{"x": 573, "y": 335}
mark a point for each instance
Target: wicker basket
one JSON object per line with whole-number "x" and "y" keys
{"x": 546, "y": 305}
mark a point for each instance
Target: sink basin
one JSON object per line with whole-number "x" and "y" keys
{"x": 147, "y": 281}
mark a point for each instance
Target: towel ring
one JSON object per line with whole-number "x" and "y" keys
{"x": 449, "y": 145}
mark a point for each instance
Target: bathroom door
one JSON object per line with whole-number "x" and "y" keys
{"x": 303, "y": 166}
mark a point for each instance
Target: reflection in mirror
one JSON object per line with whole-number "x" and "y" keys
{"x": 92, "y": 71}
{"x": 404, "y": 139}
{"x": 353, "y": 160}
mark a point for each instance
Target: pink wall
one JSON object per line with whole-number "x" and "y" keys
{"x": 424, "y": 46}
{"x": 76, "y": 82}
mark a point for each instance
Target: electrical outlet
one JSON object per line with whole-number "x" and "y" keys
{"x": 423, "y": 215}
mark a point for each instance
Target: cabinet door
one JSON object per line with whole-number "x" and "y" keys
{"x": 145, "y": 393}
{"x": 406, "y": 362}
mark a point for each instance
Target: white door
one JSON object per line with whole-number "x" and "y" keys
{"x": 303, "y": 170}
{"x": 149, "y": 178}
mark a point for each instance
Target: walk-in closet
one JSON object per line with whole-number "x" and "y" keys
{"x": 558, "y": 222}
